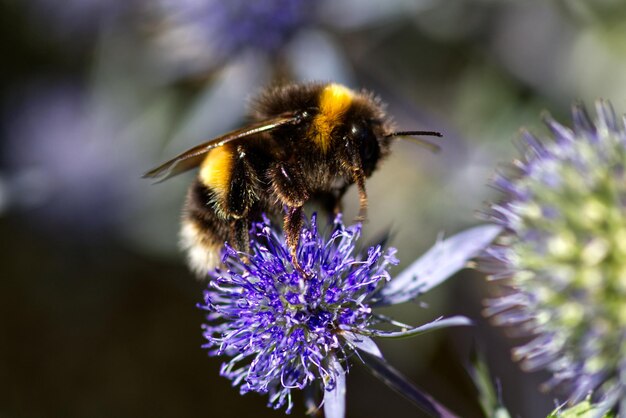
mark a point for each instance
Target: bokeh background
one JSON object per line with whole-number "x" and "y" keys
{"x": 98, "y": 312}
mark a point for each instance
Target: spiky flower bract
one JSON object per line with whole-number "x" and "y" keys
{"x": 562, "y": 257}
{"x": 286, "y": 328}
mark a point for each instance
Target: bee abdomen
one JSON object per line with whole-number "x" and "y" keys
{"x": 203, "y": 231}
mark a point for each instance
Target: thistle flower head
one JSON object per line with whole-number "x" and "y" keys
{"x": 282, "y": 325}
{"x": 562, "y": 256}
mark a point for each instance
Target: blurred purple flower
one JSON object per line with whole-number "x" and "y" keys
{"x": 213, "y": 31}
{"x": 288, "y": 329}
{"x": 295, "y": 37}
{"x": 67, "y": 163}
{"x": 232, "y": 26}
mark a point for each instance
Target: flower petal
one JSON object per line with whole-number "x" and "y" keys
{"x": 392, "y": 378}
{"x": 431, "y": 326}
{"x": 335, "y": 399}
{"x": 363, "y": 343}
{"x": 439, "y": 263}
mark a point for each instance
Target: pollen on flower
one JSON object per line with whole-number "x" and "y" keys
{"x": 560, "y": 260}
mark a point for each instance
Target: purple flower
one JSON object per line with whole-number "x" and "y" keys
{"x": 287, "y": 329}
{"x": 561, "y": 260}
{"x": 216, "y": 30}
{"x": 69, "y": 164}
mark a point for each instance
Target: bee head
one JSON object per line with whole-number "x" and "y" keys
{"x": 365, "y": 146}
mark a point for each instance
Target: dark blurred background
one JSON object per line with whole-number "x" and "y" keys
{"x": 98, "y": 312}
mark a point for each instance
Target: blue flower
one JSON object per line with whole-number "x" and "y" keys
{"x": 263, "y": 39}
{"x": 216, "y": 30}
{"x": 66, "y": 169}
{"x": 286, "y": 328}
{"x": 562, "y": 258}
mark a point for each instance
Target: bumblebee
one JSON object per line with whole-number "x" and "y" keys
{"x": 304, "y": 142}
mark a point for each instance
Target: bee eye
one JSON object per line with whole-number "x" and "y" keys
{"x": 367, "y": 143}
{"x": 369, "y": 149}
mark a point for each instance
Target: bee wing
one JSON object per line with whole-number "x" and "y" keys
{"x": 193, "y": 157}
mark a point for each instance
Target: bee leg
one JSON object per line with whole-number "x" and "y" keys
{"x": 240, "y": 229}
{"x": 293, "y": 225}
{"x": 289, "y": 188}
{"x": 288, "y": 184}
{"x": 239, "y": 199}
{"x": 359, "y": 179}
{"x": 241, "y": 193}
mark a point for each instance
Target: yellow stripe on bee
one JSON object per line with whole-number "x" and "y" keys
{"x": 215, "y": 170}
{"x": 334, "y": 101}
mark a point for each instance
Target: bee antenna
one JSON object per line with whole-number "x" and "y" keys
{"x": 409, "y": 134}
